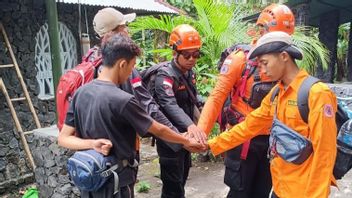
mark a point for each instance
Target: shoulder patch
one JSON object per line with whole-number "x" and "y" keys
{"x": 328, "y": 110}
{"x": 136, "y": 82}
{"x": 168, "y": 82}
{"x": 224, "y": 69}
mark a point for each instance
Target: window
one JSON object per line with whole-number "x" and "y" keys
{"x": 68, "y": 54}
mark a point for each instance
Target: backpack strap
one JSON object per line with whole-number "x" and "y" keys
{"x": 274, "y": 94}
{"x": 303, "y": 95}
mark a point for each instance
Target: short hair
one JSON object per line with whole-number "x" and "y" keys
{"x": 116, "y": 46}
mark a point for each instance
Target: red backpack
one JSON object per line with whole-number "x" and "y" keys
{"x": 70, "y": 82}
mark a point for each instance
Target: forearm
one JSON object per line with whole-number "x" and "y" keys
{"x": 75, "y": 143}
{"x": 256, "y": 123}
{"x": 166, "y": 134}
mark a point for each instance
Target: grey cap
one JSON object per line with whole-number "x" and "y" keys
{"x": 107, "y": 19}
{"x": 273, "y": 42}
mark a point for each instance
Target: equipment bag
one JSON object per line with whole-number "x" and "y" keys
{"x": 69, "y": 83}
{"x": 343, "y": 161}
{"x": 89, "y": 170}
{"x": 288, "y": 144}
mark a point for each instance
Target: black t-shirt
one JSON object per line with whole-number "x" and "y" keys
{"x": 102, "y": 110}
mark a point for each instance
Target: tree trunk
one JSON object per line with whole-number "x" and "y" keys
{"x": 328, "y": 30}
{"x": 159, "y": 43}
{"x": 349, "y": 56}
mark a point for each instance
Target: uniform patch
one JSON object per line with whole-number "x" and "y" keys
{"x": 168, "y": 82}
{"x": 169, "y": 91}
{"x": 328, "y": 110}
{"x": 224, "y": 69}
{"x": 181, "y": 87}
{"x": 292, "y": 102}
{"x": 136, "y": 82}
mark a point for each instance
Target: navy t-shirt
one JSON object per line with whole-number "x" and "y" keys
{"x": 102, "y": 110}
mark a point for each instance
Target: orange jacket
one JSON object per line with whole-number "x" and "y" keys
{"x": 230, "y": 75}
{"x": 312, "y": 178}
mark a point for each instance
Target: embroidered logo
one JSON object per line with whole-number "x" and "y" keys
{"x": 328, "y": 110}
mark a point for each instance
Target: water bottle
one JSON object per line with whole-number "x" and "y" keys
{"x": 345, "y": 134}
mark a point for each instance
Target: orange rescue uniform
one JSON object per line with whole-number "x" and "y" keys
{"x": 230, "y": 75}
{"x": 312, "y": 178}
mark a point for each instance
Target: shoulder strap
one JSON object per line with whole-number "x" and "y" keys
{"x": 274, "y": 94}
{"x": 193, "y": 97}
{"x": 303, "y": 95}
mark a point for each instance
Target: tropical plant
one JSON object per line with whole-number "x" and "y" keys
{"x": 306, "y": 38}
{"x": 342, "y": 49}
{"x": 217, "y": 24}
{"x": 220, "y": 26}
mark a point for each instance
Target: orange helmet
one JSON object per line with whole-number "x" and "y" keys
{"x": 184, "y": 37}
{"x": 277, "y": 17}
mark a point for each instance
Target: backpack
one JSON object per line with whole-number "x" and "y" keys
{"x": 70, "y": 82}
{"x": 148, "y": 75}
{"x": 89, "y": 170}
{"x": 343, "y": 161}
{"x": 259, "y": 89}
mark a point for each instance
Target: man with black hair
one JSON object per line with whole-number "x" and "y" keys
{"x": 312, "y": 177}
{"x": 104, "y": 117}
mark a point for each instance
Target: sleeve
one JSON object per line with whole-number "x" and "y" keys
{"x": 230, "y": 74}
{"x": 167, "y": 101}
{"x": 135, "y": 114}
{"x": 258, "y": 122}
{"x": 148, "y": 103}
{"x": 323, "y": 106}
{"x": 70, "y": 115}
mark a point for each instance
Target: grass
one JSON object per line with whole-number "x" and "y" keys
{"x": 143, "y": 187}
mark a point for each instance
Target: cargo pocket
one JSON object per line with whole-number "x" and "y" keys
{"x": 233, "y": 176}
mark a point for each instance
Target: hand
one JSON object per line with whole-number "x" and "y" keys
{"x": 103, "y": 146}
{"x": 194, "y": 146}
{"x": 197, "y": 133}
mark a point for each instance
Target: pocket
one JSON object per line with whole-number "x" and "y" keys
{"x": 233, "y": 174}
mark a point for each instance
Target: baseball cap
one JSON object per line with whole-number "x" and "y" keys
{"x": 272, "y": 42}
{"x": 108, "y": 19}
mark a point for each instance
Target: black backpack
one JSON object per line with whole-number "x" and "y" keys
{"x": 148, "y": 75}
{"x": 343, "y": 161}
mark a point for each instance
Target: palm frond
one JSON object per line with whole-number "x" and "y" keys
{"x": 313, "y": 50}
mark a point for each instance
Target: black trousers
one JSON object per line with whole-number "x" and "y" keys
{"x": 249, "y": 178}
{"x": 174, "y": 169}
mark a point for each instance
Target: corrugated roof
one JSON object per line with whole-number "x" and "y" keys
{"x": 148, "y": 5}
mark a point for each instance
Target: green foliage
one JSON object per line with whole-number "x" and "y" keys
{"x": 143, "y": 187}
{"x": 306, "y": 38}
{"x": 186, "y": 5}
{"x": 215, "y": 21}
{"x": 220, "y": 26}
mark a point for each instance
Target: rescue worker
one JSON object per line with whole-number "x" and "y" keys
{"x": 174, "y": 89}
{"x": 104, "y": 117}
{"x": 276, "y": 55}
{"x": 247, "y": 167}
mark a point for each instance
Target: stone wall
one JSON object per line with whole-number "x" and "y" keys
{"x": 22, "y": 20}
{"x": 51, "y": 176}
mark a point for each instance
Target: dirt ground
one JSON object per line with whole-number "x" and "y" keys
{"x": 205, "y": 179}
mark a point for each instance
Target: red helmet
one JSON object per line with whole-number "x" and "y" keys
{"x": 277, "y": 17}
{"x": 184, "y": 37}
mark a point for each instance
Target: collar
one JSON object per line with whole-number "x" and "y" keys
{"x": 297, "y": 81}
{"x": 178, "y": 71}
